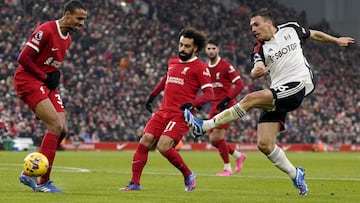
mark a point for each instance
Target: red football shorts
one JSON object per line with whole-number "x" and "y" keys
{"x": 32, "y": 91}
{"x": 174, "y": 127}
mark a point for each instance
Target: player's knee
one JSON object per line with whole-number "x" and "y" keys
{"x": 56, "y": 127}
{"x": 247, "y": 101}
{"x": 213, "y": 142}
{"x": 264, "y": 147}
{"x": 64, "y": 131}
{"x": 147, "y": 140}
{"x": 164, "y": 145}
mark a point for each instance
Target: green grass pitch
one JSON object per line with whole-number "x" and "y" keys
{"x": 88, "y": 177}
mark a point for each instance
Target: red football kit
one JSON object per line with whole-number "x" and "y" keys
{"x": 181, "y": 84}
{"x": 223, "y": 76}
{"x": 50, "y": 46}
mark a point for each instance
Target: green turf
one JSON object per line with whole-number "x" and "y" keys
{"x": 88, "y": 177}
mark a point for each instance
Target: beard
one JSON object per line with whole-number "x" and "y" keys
{"x": 184, "y": 56}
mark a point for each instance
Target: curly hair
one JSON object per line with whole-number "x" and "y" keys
{"x": 200, "y": 37}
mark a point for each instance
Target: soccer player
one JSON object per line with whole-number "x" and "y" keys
{"x": 278, "y": 52}
{"x": 37, "y": 78}
{"x": 223, "y": 77}
{"x": 186, "y": 75}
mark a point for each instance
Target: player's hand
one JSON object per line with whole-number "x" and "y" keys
{"x": 148, "y": 103}
{"x": 223, "y": 104}
{"x": 52, "y": 80}
{"x": 186, "y": 105}
{"x": 259, "y": 70}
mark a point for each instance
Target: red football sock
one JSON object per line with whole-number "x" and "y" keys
{"x": 48, "y": 148}
{"x": 231, "y": 150}
{"x": 223, "y": 150}
{"x": 175, "y": 159}
{"x": 138, "y": 162}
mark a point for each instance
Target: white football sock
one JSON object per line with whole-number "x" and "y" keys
{"x": 231, "y": 114}
{"x": 236, "y": 154}
{"x": 279, "y": 159}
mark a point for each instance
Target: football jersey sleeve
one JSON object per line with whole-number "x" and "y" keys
{"x": 39, "y": 38}
{"x": 257, "y": 53}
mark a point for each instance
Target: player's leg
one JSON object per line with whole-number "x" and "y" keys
{"x": 267, "y": 133}
{"x": 140, "y": 157}
{"x": 39, "y": 99}
{"x": 239, "y": 157}
{"x": 65, "y": 130}
{"x": 266, "y": 142}
{"x": 258, "y": 99}
{"x": 217, "y": 139}
{"x": 165, "y": 147}
{"x": 287, "y": 98}
{"x": 47, "y": 113}
{"x": 172, "y": 134}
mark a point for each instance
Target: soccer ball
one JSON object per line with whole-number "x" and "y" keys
{"x": 35, "y": 164}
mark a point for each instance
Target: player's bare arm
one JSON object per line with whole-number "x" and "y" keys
{"x": 259, "y": 70}
{"x": 323, "y": 37}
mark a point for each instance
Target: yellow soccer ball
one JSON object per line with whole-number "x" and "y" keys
{"x": 35, "y": 164}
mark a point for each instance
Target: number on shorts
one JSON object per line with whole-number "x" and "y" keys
{"x": 59, "y": 100}
{"x": 170, "y": 126}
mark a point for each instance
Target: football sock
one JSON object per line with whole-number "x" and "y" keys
{"x": 279, "y": 159}
{"x": 138, "y": 162}
{"x": 235, "y": 154}
{"x": 175, "y": 159}
{"x": 48, "y": 148}
{"x": 222, "y": 147}
{"x": 231, "y": 114}
{"x": 228, "y": 166}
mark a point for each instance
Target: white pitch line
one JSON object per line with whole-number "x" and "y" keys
{"x": 234, "y": 176}
{"x": 121, "y": 171}
{"x": 58, "y": 168}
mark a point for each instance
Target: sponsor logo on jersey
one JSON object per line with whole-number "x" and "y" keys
{"x": 283, "y": 51}
{"x": 217, "y": 84}
{"x": 176, "y": 80}
{"x": 51, "y": 62}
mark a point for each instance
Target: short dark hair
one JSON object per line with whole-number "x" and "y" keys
{"x": 72, "y": 5}
{"x": 214, "y": 41}
{"x": 264, "y": 12}
{"x": 200, "y": 37}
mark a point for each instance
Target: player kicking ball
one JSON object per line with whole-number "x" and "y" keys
{"x": 278, "y": 53}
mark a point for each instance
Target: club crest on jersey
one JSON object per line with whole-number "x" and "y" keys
{"x": 185, "y": 70}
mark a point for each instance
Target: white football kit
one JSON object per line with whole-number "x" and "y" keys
{"x": 283, "y": 55}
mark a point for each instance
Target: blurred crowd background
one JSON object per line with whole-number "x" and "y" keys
{"x": 122, "y": 52}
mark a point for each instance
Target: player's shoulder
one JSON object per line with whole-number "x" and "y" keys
{"x": 224, "y": 62}
{"x": 47, "y": 25}
{"x": 301, "y": 31}
{"x": 200, "y": 62}
{"x": 173, "y": 59}
{"x": 291, "y": 24}
{"x": 45, "y": 28}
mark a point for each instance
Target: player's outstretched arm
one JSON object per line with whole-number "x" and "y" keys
{"x": 324, "y": 37}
